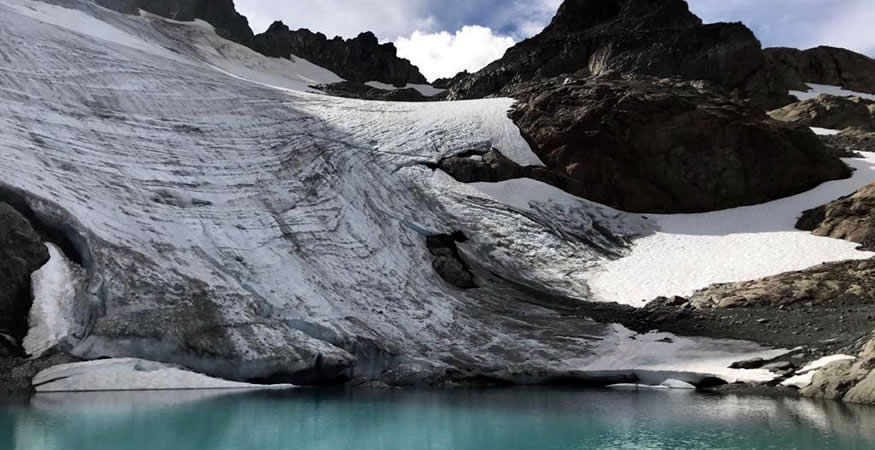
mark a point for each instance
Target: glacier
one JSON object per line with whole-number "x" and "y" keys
{"x": 230, "y": 220}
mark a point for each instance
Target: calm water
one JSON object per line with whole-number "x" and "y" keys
{"x": 476, "y": 420}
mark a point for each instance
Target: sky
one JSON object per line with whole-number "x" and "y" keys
{"x": 443, "y": 37}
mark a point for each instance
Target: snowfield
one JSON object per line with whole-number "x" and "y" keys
{"x": 818, "y": 89}
{"x": 236, "y": 224}
{"x": 694, "y": 251}
{"x": 424, "y": 89}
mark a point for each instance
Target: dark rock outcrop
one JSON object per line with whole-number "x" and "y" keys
{"x": 650, "y": 145}
{"x": 446, "y": 83}
{"x": 360, "y": 59}
{"x": 21, "y": 253}
{"x": 821, "y": 65}
{"x": 362, "y": 91}
{"x": 851, "y": 218}
{"x": 828, "y": 111}
{"x": 219, "y": 13}
{"x": 447, "y": 261}
{"x": 646, "y": 37}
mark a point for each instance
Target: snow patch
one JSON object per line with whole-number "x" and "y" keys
{"x": 54, "y": 295}
{"x": 825, "y": 131}
{"x": 693, "y": 251}
{"x": 817, "y": 89}
{"x": 129, "y": 374}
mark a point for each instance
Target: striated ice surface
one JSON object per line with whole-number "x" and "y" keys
{"x": 234, "y": 223}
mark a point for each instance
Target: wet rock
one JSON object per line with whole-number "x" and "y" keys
{"x": 829, "y": 111}
{"x": 648, "y": 145}
{"x": 851, "y": 218}
{"x": 360, "y": 59}
{"x": 21, "y": 253}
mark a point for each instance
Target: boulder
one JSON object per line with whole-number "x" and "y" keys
{"x": 646, "y": 37}
{"x": 21, "y": 253}
{"x": 852, "y": 381}
{"x": 360, "y": 59}
{"x": 821, "y": 65}
{"x": 828, "y": 111}
{"x": 851, "y": 218}
{"x": 667, "y": 146}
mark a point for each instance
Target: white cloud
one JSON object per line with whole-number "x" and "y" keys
{"x": 441, "y": 55}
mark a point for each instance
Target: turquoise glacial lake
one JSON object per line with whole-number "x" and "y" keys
{"x": 499, "y": 419}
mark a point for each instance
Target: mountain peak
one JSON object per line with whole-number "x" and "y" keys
{"x": 579, "y": 15}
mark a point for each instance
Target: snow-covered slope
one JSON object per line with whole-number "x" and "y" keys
{"x": 231, "y": 222}
{"x": 424, "y": 89}
{"x": 818, "y": 89}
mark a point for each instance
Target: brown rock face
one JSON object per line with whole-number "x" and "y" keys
{"x": 667, "y": 146}
{"x": 831, "y": 284}
{"x": 828, "y": 111}
{"x": 646, "y": 37}
{"x": 850, "y": 218}
{"x": 21, "y": 253}
{"x": 360, "y": 59}
{"x": 822, "y": 65}
{"x": 852, "y": 381}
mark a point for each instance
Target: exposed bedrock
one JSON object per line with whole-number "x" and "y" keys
{"x": 668, "y": 146}
{"x": 851, "y": 218}
{"x": 828, "y": 111}
{"x": 447, "y": 261}
{"x": 821, "y": 65}
{"x": 21, "y": 253}
{"x": 359, "y": 59}
{"x": 643, "y": 37}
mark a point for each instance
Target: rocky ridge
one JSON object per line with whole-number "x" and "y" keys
{"x": 640, "y": 37}
{"x": 360, "y": 59}
{"x": 821, "y": 65}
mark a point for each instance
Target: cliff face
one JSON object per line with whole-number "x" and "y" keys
{"x": 360, "y": 59}
{"x": 639, "y": 37}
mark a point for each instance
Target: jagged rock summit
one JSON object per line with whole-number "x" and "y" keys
{"x": 219, "y": 13}
{"x": 642, "y": 37}
{"x": 360, "y": 59}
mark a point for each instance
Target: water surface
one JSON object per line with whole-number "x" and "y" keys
{"x": 505, "y": 419}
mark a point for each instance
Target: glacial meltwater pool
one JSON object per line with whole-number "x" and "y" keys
{"x": 500, "y": 419}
